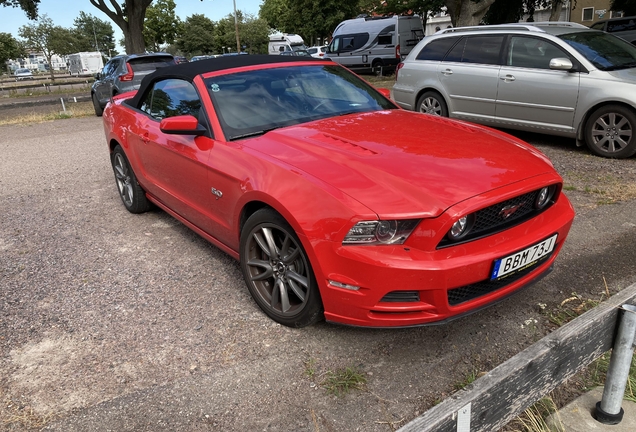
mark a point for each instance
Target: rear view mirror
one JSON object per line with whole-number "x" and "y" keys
{"x": 98, "y": 75}
{"x": 181, "y": 125}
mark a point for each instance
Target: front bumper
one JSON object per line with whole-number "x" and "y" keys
{"x": 436, "y": 276}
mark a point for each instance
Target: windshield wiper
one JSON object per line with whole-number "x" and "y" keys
{"x": 253, "y": 134}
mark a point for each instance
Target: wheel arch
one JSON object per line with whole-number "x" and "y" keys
{"x": 423, "y": 90}
{"x": 580, "y": 132}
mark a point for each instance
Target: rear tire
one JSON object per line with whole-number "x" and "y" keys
{"x": 611, "y": 132}
{"x": 432, "y": 103}
{"x": 130, "y": 192}
{"x": 96, "y": 106}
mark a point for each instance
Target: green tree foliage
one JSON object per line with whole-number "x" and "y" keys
{"x": 197, "y": 36}
{"x": 89, "y": 30}
{"x": 275, "y": 13}
{"x": 129, "y": 17}
{"x": 10, "y": 48}
{"x": 30, "y": 7}
{"x": 44, "y": 37}
{"x": 161, "y": 25}
{"x": 309, "y": 18}
{"x": 626, "y": 6}
{"x": 253, "y": 34}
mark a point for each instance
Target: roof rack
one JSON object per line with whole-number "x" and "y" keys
{"x": 535, "y": 26}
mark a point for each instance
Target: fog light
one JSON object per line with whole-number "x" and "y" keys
{"x": 544, "y": 197}
{"x": 344, "y": 285}
{"x": 459, "y": 228}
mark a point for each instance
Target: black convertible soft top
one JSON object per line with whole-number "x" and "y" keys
{"x": 188, "y": 71}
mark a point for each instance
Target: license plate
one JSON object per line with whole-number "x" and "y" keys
{"x": 522, "y": 259}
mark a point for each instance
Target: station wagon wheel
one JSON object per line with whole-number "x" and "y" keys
{"x": 131, "y": 194}
{"x": 611, "y": 132}
{"x": 433, "y": 103}
{"x": 98, "y": 109}
{"x": 277, "y": 271}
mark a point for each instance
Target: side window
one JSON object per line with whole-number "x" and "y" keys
{"x": 172, "y": 97}
{"x": 353, "y": 41}
{"x": 108, "y": 68}
{"x": 532, "y": 52}
{"x": 598, "y": 26}
{"x": 436, "y": 50}
{"x": 477, "y": 49}
{"x": 335, "y": 45}
{"x": 147, "y": 103}
{"x": 385, "y": 39}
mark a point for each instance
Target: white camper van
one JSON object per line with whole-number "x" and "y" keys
{"x": 282, "y": 42}
{"x": 366, "y": 44}
{"x": 85, "y": 63}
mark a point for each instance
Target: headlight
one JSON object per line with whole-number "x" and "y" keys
{"x": 544, "y": 197}
{"x": 380, "y": 232}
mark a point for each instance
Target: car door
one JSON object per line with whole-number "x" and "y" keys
{"x": 531, "y": 95}
{"x": 469, "y": 75}
{"x": 174, "y": 165}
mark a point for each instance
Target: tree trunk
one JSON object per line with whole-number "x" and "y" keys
{"x": 555, "y": 11}
{"x": 131, "y": 23}
{"x": 467, "y": 12}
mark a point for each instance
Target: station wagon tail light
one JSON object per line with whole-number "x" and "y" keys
{"x": 129, "y": 76}
{"x": 384, "y": 232}
{"x": 397, "y": 51}
{"x": 397, "y": 69}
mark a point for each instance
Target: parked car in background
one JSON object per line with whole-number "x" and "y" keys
{"x": 317, "y": 51}
{"x": 22, "y": 74}
{"x": 555, "y": 78}
{"x": 180, "y": 59}
{"x": 201, "y": 57}
{"x": 336, "y": 202}
{"x": 123, "y": 74}
{"x": 624, "y": 28}
{"x": 366, "y": 44}
{"x": 297, "y": 53}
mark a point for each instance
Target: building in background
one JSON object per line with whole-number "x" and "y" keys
{"x": 587, "y": 12}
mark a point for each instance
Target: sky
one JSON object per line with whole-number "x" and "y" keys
{"x": 63, "y": 12}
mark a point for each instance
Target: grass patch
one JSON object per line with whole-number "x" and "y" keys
{"x": 13, "y": 93}
{"x": 468, "y": 379}
{"x": 343, "y": 380}
{"x": 534, "y": 418}
{"x": 79, "y": 109}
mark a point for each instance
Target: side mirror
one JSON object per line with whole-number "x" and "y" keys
{"x": 561, "y": 63}
{"x": 181, "y": 125}
{"x": 98, "y": 76}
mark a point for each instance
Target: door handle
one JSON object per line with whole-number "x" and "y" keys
{"x": 507, "y": 78}
{"x": 447, "y": 72}
{"x": 145, "y": 138}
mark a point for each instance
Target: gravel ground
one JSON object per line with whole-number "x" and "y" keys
{"x": 114, "y": 321}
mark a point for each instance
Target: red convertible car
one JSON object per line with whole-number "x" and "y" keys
{"x": 338, "y": 204}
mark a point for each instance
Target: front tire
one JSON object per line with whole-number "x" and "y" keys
{"x": 432, "y": 103}
{"x": 277, "y": 270}
{"x": 96, "y": 106}
{"x": 131, "y": 194}
{"x": 610, "y": 132}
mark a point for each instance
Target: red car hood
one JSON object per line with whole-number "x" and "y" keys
{"x": 403, "y": 163}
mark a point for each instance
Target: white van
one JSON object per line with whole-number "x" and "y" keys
{"x": 370, "y": 43}
{"x": 281, "y": 42}
{"x": 85, "y": 63}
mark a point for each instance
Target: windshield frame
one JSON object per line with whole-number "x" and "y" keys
{"x": 257, "y": 101}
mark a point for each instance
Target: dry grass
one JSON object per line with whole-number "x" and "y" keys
{"x": 14, "y": 414}
{"x": 80, "y": 109}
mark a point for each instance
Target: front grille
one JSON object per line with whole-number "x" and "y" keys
{"x": 470, "y": 292}
{"x": 401, "y": 296}
{"x": 490, "y": 219}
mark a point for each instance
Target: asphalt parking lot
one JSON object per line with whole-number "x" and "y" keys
{"x": 114, "y": 321}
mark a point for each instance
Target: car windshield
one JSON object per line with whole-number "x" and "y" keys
{"x": 255, "y": 102}
{"x": 604, "y": 51}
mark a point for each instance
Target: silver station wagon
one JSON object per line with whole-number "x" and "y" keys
{"x": 555, "y": 78}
